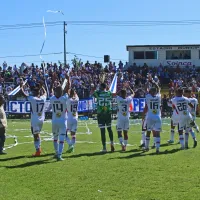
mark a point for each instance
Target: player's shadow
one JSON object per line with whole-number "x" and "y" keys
{"x": 21, "y": 157}
{"x": 90, "y": 154}
{"x": 12, "y": 158}
{"x": 30, "y": 164}
{"x": 43, "y": 155}
{"x": 132, "y": 151}
{"x": 166, "y": 145}
{"x": 141, "y": 154}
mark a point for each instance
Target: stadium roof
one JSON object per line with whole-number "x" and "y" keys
{"x": 165, "y": 45}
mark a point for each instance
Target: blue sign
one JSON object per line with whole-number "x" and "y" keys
{"x": 85, "y": 105}
{"x": 25, "y": 106}
{"x": 138, "y": 105}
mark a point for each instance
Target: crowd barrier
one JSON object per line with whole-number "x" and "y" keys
{"x": 84, "y": 106}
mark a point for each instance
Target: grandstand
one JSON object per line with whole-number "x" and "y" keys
{"x": 166, "y": 55}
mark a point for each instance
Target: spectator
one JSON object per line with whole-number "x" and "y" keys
{"x": 86, "y": 77}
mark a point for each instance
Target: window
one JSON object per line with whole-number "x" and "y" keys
{"x": 151, "y": 55}
{"x": 145, "y": 55}
{"x": 178, "y": 55}
{"x": 138, "y": 54}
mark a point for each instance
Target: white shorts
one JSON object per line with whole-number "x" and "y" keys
{"x": 122, "y": 124}
{"x": 184, "y": 122}
{"x": 72, "y": 125}
{"x": 36, "y": 127}
{"x": 154, "y": 124}
{"x": 59, "y": 128}
{"x": 174, "y": 120}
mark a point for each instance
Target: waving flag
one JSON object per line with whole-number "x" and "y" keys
{"x": 45, "y": 35}
{"x": 113, "y": 87}
{"x": 64, "y": 84}
{"x": 16, "y": 90}
{"x": 56, "y": 11}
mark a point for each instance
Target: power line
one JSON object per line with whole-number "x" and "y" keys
{"x": 102, "y": 23}
{"x": 33, "y": 55}
{"x": 57, "y": 53}
{"x": 37, "y": 61}
{"x": 101, "y": 57}
{"x": 33, "y": 24}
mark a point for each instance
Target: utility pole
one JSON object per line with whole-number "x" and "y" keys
{"x": 65, "y": 53}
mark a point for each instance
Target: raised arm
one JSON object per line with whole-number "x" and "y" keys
{"x": 190, "y": 105}
{"x": 132, "y": 92}
{"x": 95, "y": 94}
{"x": 44, "y": 91}
{"x": 68, "y": 85}
{"x": 156, "y": 86}
{"x": 146, "y": 87}
{"x": 22, "y": 89}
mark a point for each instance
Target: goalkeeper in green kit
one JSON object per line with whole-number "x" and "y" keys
{"x": 104, "y": 115}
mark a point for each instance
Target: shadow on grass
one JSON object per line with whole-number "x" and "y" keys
{"x": 141, "y": 154}
{"x": 42, "y": 156}
{"x": 21, "y": 157}
{"x": 132, "y": 151}
{"x": 91, "y": 154}
{"x": 12, "y": 158}
{"x": 166, "y": 145}
{"x": 30, "y": 164}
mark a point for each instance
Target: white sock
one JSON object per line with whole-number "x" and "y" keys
{"x": 181, "y": 139}
{"x": 143, "y": 136}
{"x": 61, "y": 144}
{"x": 147, "y": 142}
{"x": 121, "y": 140}
{"x": 193, "y": 134}
{"x": 186, "y": 137}
{"x": 172, "y": 135}
{"x": 55, "y": 144}
{"x": 125, "y": 142}
{"x": 154, "y": 140}
{"x": 157, "y": 142}
{"x": 37, "y": 144}
{"x": 73, "y": 140}
{"x": 60, "y": 147}
{"x": 68, "y": 140}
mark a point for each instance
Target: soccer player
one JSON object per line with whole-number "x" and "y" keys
{"x": 37, "y": 114}
{"x": 174, "y": 123}
{"x": 123, "y": 115}
{"x": 180, "y": 104}
{"x": 148, "y": 86}
{"x": 72, "y": 121}
{"x": 194, "y": 102}
{"x": 153, "y": 109}
{"x": 104, "y": 115}
{"x": 59, "y": 120}
{"x": 3, "y": 125}
{"x": 144, "y": 129}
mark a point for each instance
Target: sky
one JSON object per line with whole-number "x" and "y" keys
{"x": 94, "y": 41}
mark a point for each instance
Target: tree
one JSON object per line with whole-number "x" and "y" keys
{"x": 76, "y": 62}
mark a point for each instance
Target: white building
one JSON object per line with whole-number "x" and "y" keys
{"x": 167, "y": 55}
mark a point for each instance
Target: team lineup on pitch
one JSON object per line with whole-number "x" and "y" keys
{"x": 65, "y": 117}
{"x": 85, "y": 126}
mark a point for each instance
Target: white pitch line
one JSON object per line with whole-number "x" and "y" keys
{"x": 50, "y": 139}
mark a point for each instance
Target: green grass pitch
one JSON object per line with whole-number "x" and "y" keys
{"x": 86, "y": 174}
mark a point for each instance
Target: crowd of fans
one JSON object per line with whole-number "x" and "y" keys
{"x": 86, "y": 77}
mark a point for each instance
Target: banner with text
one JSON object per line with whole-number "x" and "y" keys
{"x": 85, "y": 105}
